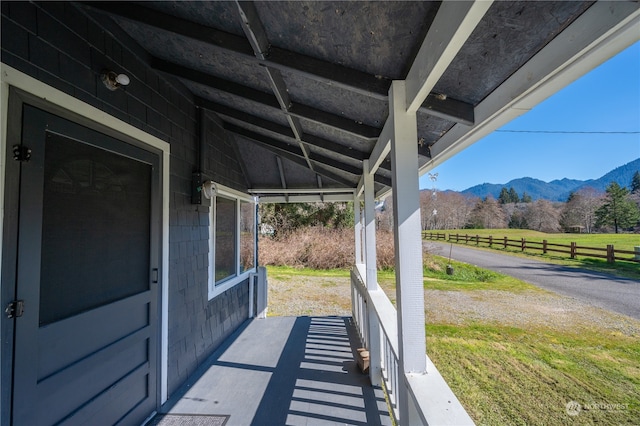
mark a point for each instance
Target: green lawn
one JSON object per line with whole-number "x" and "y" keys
{"x": 515, "y": 376}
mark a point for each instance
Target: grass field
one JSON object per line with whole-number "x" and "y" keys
{"x": 513, "y": 375}
{"x": 619, "y": 241}
{"x": 512, "y": 353}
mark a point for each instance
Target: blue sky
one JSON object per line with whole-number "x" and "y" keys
{"x": 606, "y": 99}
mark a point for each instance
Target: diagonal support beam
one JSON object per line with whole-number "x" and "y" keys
{"x": 381, "y": 148}
{"x": 278, "y": 129}
{"x": 283, "y": 180}
{"x": 254, "y": 30}
{"x": 299, "y": 160}
{"x": 214, "y": 82}
{"x": 454, "y": 23}
{"x": 292, "y": 149}
{"x": 297, "y": 110}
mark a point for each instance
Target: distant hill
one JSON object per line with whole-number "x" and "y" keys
{"x": 557, "y": 190}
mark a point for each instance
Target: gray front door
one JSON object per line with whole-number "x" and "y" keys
{"x": 86, "y": 346}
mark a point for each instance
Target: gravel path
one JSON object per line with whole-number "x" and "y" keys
{"x": 620, "y": 295}
{"x": 305, "y": 295}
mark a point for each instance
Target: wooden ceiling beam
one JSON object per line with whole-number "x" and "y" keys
{"x": 296, "y": 110}
{"x": 272, "y": 127}
{"x": 293, "y": 150}
{"x": 316, "y": 69}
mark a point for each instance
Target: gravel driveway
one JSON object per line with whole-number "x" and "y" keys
{"x": 621, "y": 295}
{"x": 302, "y": 295}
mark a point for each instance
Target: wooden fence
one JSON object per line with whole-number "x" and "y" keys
{"x": 572, "y": 249}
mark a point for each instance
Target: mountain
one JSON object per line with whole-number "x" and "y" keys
{"x": 559, "y": 189}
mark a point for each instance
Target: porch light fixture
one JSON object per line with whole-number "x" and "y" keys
{"x": 112, "y": 80}
{"x": 209, "y": 189}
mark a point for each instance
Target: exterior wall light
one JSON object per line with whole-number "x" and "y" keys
{"x": 112, "y": 80}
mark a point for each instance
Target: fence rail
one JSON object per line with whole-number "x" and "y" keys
{"x": 574, "y": 250}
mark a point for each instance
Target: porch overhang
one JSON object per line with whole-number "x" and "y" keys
{"x": 303, "y": 87}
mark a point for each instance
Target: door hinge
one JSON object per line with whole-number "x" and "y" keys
{"x": 21, "y": 153}
{"x": 15, "y": 309}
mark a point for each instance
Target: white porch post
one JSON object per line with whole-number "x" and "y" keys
{"x": 357, "y": 222}
{"x": 372, "y": 274}
{"x": 408, "y": 244}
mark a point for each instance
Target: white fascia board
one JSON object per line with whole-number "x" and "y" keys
{"x": 230, "y": 192}
{"x": 453, "y": 24}
{"x": 306, "y": 198}
{"x": 300, "y": 191}
{"x": 383, "y": 193}
{"x": 360, "y": 187}
{"x": 600, "y": 33}
{"x": 381, "y": 148}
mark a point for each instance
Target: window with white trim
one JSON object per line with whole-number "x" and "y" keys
{"x": 232, "y": 238}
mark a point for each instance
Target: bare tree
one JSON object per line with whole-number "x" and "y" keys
{"x": 444, "y": 210}
{"x": 488, "y": 214}
{"x": 542, "y": 216}
{"x": 580, "y": 209}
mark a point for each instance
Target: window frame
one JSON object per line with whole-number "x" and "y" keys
{"x": 217, "y": 288}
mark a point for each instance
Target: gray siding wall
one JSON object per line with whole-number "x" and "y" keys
{"x": 59, "y": 44}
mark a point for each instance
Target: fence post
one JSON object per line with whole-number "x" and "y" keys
{"x": 611, "y": 258}
{"x": 505, "y": 242}
{"x": 544, "y": 246}
{"x": 523, "y": 244}
{"x": 490, "y": 240}
{"x": 573, "y": 250}
{"x": 466, "y": 238}
{"x": 457, "y": 238}
{"x": 477, "y": 239}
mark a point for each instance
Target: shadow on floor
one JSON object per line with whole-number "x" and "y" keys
{"x": 285, "y": 370}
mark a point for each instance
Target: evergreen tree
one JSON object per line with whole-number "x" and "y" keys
{"x": 618, "y": 210}
{"x": 503, "y": 198}
{"x": 513, "y": 196}
{"x": 635, "y": 183}
{"x": 526, "y": 198}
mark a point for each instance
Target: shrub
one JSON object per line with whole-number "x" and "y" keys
{"x": 320, "y": 248}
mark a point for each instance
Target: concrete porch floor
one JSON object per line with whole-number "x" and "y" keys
{"x": 284, "y": 371}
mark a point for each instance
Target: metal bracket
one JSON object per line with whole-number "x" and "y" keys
{"x": 15, "y": 309}
{"x": 21, "y": 153}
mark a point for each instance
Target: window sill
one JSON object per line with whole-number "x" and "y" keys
{"x": 215, "y": 290}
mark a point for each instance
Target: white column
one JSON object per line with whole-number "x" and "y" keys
{"x": 372, "y": 274}
{"x": 357, "y": 222}
{"x": 408, "y": 243}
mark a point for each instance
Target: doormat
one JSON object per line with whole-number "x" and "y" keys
{"x": 188, "y": 420}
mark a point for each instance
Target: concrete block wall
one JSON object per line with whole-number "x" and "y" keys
{"x": 62, "y": 45}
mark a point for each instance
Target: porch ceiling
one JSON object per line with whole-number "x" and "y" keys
{"x": 302, "y": 87}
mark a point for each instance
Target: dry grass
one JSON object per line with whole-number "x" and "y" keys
{"x": 320, "y": 248}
